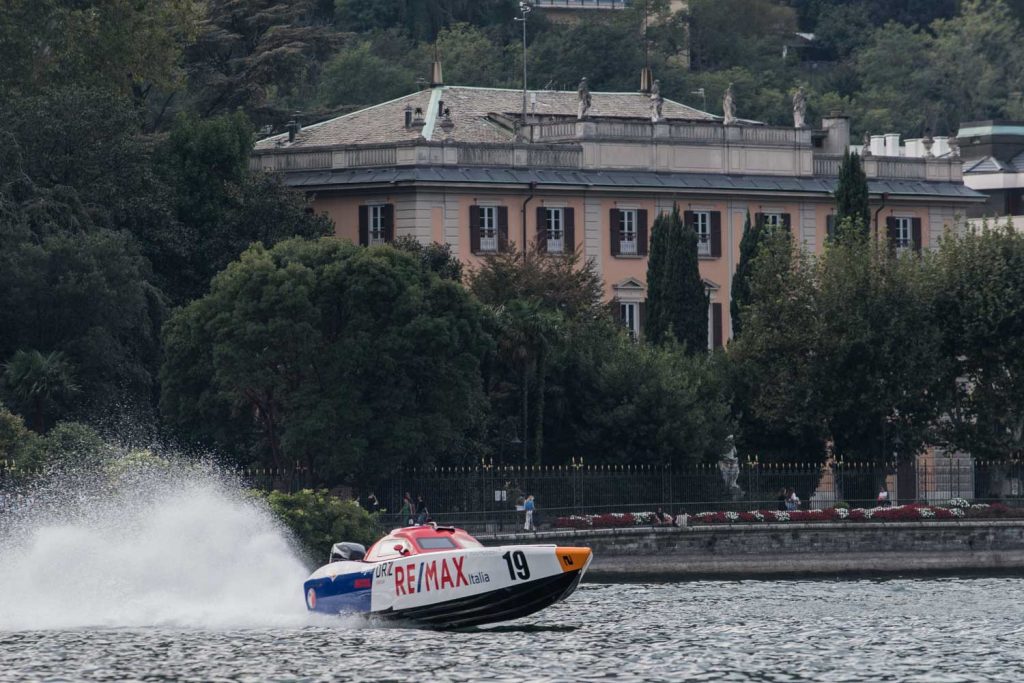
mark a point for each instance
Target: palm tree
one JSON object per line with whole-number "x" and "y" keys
{"x": 36, "y": 380}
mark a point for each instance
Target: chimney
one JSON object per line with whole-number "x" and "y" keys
{"x": 436, "y": 79}
{"x": 878, "y": 145}
{"x": 408, "y": 116}
{"x": 293, "y": 127}
{"x": 837, "y": 130}
{"x": 417, "y": 118}
{"x": 892, "y": 144}
{"x": 646, "y": 80}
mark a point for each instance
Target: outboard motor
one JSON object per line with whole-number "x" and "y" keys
{"x": 347, "y": 551}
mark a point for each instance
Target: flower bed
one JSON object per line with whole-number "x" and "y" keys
{"x": 955, "y": 509}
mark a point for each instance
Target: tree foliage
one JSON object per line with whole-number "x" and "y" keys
{"x": 344, "y": 360}
{"x": 852, "y": 194}
{"x": 740, "y": 295}
{"x": 678, "y": 305}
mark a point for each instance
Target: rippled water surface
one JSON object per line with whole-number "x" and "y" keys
{"x": 939, "y": 630}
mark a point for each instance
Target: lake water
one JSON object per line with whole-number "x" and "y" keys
{"x": 935, "y": 630}
{"x": 179, "y": 575}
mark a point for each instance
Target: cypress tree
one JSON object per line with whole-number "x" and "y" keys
{"x": 681, "y": 301}
{"x": 654, "y": 325}
{"x": 753, "y": 235}
{"x": 852, "y": 194}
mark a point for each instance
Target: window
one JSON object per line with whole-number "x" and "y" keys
{"x": 436, "y": 543}
{"x": 627, "y": 232}
{"x": 555, "y": 230}
{"x": 488, "y": 228}
{"x": 904, "y": 234}
{"x": 773, "y": 220}
{"x": 629, "y": 315}
{"x": 702, "y": 226}
{"x": 377, "y": 227}
{"x": 385, "y": 549}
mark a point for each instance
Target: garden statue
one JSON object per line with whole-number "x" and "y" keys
{"x": 865, "y": 149}
{"x": 728, "y": 107}
{"x": 583, "y": 92}
{"x": 729, "y": 466}
{"x": 799, "y": 108}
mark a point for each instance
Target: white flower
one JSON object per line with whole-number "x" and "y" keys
{"x": 842, "y": 513}
{"x": 732, "y": 516}
{"x": 705, "y": 515}
{"x": 926, "y": 513}
{"x": 781, "y": 516}
{"x": 957, "y": 512}
{"x": 980, "y": 506}
{"x": 959, "y": 503}
{"x": 756, "y": 514}
{"x": 869, "y": 512}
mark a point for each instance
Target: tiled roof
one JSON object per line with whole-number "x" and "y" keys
{"x": 470, "y": 107}
{"x": 621, "y": 180}
{"x": 987, "y": 164}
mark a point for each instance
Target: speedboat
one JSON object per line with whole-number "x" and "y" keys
{"x": 442, "y": 577}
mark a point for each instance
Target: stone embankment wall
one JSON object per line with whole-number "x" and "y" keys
{"x": 791, "y": 549}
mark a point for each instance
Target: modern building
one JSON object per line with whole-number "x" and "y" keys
{"x": 459, "y": 165}
{"x": 993, "y": 164}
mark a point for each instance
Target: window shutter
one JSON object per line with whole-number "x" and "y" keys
{"x": 786, "y": 224}
{"x": 716, "y": 323}
{"x": 503, "y": 228}
{"x": 759, "y": 220}
{"x": 830, "y": 226}
{"x": 890, "y": 231}
{"x": 716, "y": 234}
{"x": 688, "y": 220}
{"x": 364, "y": 225}
{"x": 915, "y": 228}
{"x": 613, "y": 308}
{"x": 641, "y": 232}
{"x": 542, "y": 233}
{"x": 389, "y": 223}
{"x": 613, "y": 231}
{"x": 569, "y": 216}
{"x": 474, "y": 229}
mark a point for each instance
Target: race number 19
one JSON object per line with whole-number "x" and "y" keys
{"x": 517, "y": 566}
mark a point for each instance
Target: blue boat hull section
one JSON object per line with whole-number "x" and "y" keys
{"x": 340, "y": 594}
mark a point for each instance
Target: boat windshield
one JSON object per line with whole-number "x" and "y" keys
{"x": 436, "y": 543}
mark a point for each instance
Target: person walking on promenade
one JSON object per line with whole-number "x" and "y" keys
{"x": 782, "y": 502}
{"x": 407, "y": 512}
{"x": 422, "y": 516}
{"x": 372, "y": 504}
{"x": 883, "y": 497}
{"x": 792, "y": 500}
{"x": 529, "y": 506}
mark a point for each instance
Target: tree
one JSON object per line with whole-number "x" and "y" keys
{"x": 680, "y": 301}
{"x": 852, "y": 194}
{"x": 980, "y": 294}
{"x": 347, "y": 362}
{"x": 36, "y": 380}
{"x": 357, "y": 77}
{"x": 221, "y": 207}
{"x": 436, "y": 257}
{"x": 740, "y": 297}
{"x": 471, "y": 57}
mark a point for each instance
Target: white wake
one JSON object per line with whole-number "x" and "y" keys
{"x": 185, "y": 549}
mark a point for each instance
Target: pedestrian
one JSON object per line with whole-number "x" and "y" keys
{"x": 883, "y": 497}
{"x": 407, "y": 513}
{"x": 781, "y": 503}
{"x": 529, "y": 507}
{"x": 792, "y": 501}
{"x": 661, "y": 518}
{"x": 422, "y": 515}
{"x": 372, "y": 504}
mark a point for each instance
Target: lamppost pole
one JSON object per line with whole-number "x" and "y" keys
{"x": 524, "y": 9}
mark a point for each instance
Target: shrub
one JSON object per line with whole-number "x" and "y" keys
{"x": 320, "y": 520}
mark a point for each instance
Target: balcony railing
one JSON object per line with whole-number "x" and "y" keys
{"x": 703, "y": 245}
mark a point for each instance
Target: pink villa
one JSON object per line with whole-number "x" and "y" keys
{"x": 460, "y": 165}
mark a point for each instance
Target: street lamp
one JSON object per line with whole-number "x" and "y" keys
{"x": 524, "y": 9}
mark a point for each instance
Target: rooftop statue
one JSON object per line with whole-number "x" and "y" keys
{"x": 799, "y": 108}
{"x": 583, "y": 92}
{"x": 729, "y": 107}
{"x": 657, "y": 102}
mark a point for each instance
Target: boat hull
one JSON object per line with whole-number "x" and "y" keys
{"x": 453, "y": 589}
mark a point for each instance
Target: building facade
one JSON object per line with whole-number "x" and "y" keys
{"x": 993, "y": 164}
{"x": 458, "y": 165}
